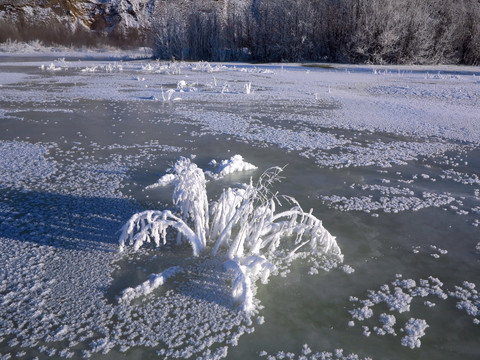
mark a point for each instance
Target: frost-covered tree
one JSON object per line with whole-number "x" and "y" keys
{"x": 199, "y": 30}
{"x": 168, "y": 32}
{"x": 366, "y": 31}
{"x": 413, "y": 31}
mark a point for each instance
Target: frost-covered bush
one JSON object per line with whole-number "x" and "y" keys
{"x": 242, "y": 226}
{"x": 361, "y": 31}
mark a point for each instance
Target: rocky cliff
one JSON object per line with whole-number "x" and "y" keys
{"x": 64, "y": 20}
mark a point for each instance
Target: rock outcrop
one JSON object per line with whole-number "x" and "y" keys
{"x": 53, "y": 19}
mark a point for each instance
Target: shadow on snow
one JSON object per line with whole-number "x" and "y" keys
{"x": 63, "y": 221}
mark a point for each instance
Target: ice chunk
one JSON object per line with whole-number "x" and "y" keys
{"x": 165, "y": 180}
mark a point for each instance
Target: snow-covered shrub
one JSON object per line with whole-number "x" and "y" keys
{"x": 242, "y": 226}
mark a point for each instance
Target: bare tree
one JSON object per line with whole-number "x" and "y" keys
{"x": 168, "y": 31}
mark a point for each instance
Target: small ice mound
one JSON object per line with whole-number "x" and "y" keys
{"x": 168, "y": 95}
{"x": 182, "y": 84}
{"x": 361, "y": 313}
{"x": 165, "y": 180}
{"x": 53, "y": 67}
{"x": 469, "y": 299}
{"x": 347, "y": 269}
{"x": 388, "y": 322}
{"x": 235, "y": 164}
{"x": 399, "y": 299}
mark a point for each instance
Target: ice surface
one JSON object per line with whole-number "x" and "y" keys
{"x": 76, "y": 156}
{"x": 21, "y": 162}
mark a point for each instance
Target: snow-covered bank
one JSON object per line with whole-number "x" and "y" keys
{"x": 38, "y": 49}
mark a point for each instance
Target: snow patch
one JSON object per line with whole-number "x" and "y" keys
{"x": 399, "y": 300}
{"x": 307, "y": 353}
{"x": 23, "y": 162}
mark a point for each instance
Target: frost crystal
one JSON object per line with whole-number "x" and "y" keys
{"x": 307, "y": 353}
{"x": 469, "y": 299}
{"x": 415, "y": 329}
{"x": 400, "y": 299}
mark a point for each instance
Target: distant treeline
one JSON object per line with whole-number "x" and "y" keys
{"x": 353, "y": 31}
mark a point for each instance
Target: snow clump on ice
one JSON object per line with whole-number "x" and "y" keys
{"x": 469, "y": 300}
{"x": 414, "y": 330}
{"x": 386, "y": 204}
{"x": 405, "y": 290}
{"x": 226, "y": 167}
{"x": 397, "y": 300}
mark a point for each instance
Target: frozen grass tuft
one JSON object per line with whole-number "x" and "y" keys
{"x": 242, "y": 226}
{"x": 248, "y": 88}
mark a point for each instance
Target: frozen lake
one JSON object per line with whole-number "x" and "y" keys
{"x": 387, "y": 157}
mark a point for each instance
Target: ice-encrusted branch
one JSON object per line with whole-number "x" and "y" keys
{"x": 250, "y": 213}
{"x": 245, "y": 272}
{"x": 257, "y": 239}
{"x": 151, "y": 226}
{"x": 189, "y": 195}
{"x": 145, "y": 288}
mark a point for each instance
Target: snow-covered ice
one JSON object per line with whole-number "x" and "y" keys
{"x": 386, "y": 156}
